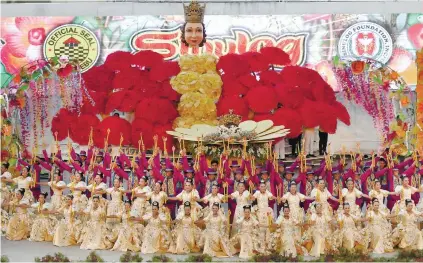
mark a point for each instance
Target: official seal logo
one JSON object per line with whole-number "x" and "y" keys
{"x": 74, "y": 41}
{"x": 368, "y": 40}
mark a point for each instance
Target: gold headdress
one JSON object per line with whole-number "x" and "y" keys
{"x": 230, "y": 119}
{"x": 194, "y": 12}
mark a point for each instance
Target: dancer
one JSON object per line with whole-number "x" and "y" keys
{"x": 186, "y": 234}
{"x": 286, "y": 241}
{"x": 19, "y": 225}
{"x": 156, "y": 237}
{"x": 379, "y": 229}
{"x": 214, "y": 238}
{"x": 130, "y": 232}
{"x": 245, "y": 241}
{"x": 44, "y": 224}
{"x": 68, "y": 230}
{"x": 407, "y": 235}
{"x": 95, "y": 232}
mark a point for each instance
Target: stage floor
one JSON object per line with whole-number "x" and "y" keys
{"x": 26, "y": 251}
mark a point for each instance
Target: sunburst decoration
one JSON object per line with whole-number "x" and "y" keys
{"x": 231, "y": 128}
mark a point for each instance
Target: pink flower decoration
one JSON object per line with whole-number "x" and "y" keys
{"x": 24, "y": 38}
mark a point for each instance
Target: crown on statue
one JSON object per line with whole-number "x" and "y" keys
{"x": 194, "y": 12}
{"x": 230, "y": 119}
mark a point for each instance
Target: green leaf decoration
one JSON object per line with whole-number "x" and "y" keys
{"x": 36, "y": 74}
{"x": 377, "y": 80}
{"x": 335, "y": 60}
{"x": 2, "y": 68}
{"x": 5, "y": 79}
{"x": 24, "y": 87}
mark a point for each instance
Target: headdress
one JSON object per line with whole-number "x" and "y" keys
{"x": 194, "y": 12}
{"x": 187, "y": 204}
{"x": 247, "y": 207}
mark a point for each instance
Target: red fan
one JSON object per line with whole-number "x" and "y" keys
{"x": 164, "y": 71}
{"x": 262, "y": 117}
{"x": 270, "y": 77}
{"x": 160, "y": 130}
{"x": 117, "y": 127}
{"x": 341, "y": 112}
{"x": 80, "y": 131}
{"x": 167, "y": 92}
{"x": 288, "y": 96}
{"x": 248, "y": 80}
{"x": 146, "y": 59}
{"x": 275, "y": 56}
{"x": 62, "y": 123}
{"x": 99, "y": 79}
{"x": 118, "y": 61}
{"x": 235, "y": 103}
{"x": 309, "y": 112}
{"x": 146, "y": 128}
{"x": 124, "y": 101}
{"x": 99, "y": 99}
{"x": 232, "y": 65}
{"x": 256, "y": 61}
{"x": 156, "y": 110}
{"x": 262, "y": 99}
{"x": 290, "y": 119}
{"x": 233, "y": 87}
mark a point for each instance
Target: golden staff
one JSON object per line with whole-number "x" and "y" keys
{"x": 229, "y": 222}
{"x": 142, "y": 141}
{"x": 90, "y": 139}
{"x": 173, "y": 156}
{"x": 113, "y": 163}
{"x": 34, "y": 173}
{"x": 106, "y": 142}
{"x": 353, "y": 164}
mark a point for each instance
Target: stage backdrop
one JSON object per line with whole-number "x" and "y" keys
{"x": 311, "y": 40}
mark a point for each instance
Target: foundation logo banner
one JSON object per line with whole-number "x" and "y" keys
{"x": 311, "y": 40}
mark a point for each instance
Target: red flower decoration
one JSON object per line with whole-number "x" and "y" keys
{"x": 62, "y": 123}
{"x": 66, "y": 71}
{"x": 156, "y": 110}
{"x": 262, "y": 99}
{"x": 99, "y": 79}
{"x": 36, "y": 36}
{"x": 118, "y": 61}
{"x": 235, "y": 103}
{"x": 275, "y": 56}
{"x": 232, "y": 65}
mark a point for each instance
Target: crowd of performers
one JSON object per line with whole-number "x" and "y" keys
{"x": 370, "y": 204}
